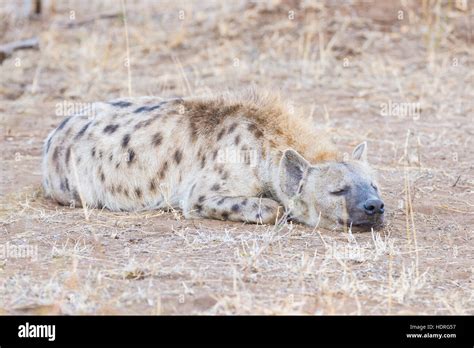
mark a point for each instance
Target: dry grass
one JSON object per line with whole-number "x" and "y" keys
{"x": 342, "y": 62}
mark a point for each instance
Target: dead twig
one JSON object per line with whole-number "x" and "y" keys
{"x": 73, "y": 24}
{"x": 456, "y": 182}
{"x": 7, "y": 50}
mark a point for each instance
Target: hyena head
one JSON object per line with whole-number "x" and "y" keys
{"x": 331, "y": 193}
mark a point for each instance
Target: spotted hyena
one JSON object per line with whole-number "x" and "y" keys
{"x": 240, "y": 158}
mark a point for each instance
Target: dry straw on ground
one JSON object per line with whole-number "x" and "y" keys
{"x": 344, "y": 62}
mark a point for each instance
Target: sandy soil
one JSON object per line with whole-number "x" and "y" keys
{"x": 403, "y": 81}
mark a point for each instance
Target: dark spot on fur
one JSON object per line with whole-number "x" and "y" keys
{"x": 63, "y": 123}
{"x": 258, "y": 216}
{"x": 119, "y": 188}
{"x": 253, "y": 128}
{"x": 225, "y": 215}
{"x": 83, "y": 130}
{"x": 131, "y": 156}
{"x": 101, "y": 154}
{"x": 93, "y": 152}
{"x": 157, "y": 139}
{"x": 225, "y": 175}
{"x": 244, "y": 202}
{"x": 125, "y": 192}
{"x": 203, "y": 161}
{"x": 194, "y": 132}
{"x": 64, "y": 185}
{"x": 55, "y": 153}
{"x": 220, "y": 134}
{"x": 149, "y": 108}
{"x": 201, "y": 199}
{"x": 156, "y": 107}
{"x": 141, "y": 109}
{"x": 237, "y": 140}
{"x": 215, "y": 187}
{"x": 163, "y": 170}
{"x": 152, "y": 185}
{"x": 267, "y": 209}
{"x": 198, "y": 207}
{"x": 102, "y": 176}
{"x": 111, "y": 157}
{"x": 232, "y": 128}
{"x": 111, "y": 128}
{"x": 220, "y": 201}
{"x": 144, "y": 123}
{"x": 121, "y": 104}
{"x": 138, "y": 192}
{"x": 235, "y": 208}
{"x": 178, "y": 155}
{"x": 125, "y": 140}
{"x": 76, "y": 196}
{"x": 68, "y": 155}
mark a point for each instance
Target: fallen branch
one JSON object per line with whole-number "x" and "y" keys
{"x": 7, "y": 50}
{"x": 456, "y": 182}
{"x": 73, "y": 24}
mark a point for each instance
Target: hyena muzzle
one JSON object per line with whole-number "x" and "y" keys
{"x": 238, "y": 158}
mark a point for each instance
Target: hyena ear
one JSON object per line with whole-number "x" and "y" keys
{"x": 292, "y": 169}
{"x": 360, "y": 152}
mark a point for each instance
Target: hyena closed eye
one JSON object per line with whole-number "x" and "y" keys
{"x": 241, "y": 158}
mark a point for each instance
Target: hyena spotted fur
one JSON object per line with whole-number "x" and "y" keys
{"x": 241, "y": 158}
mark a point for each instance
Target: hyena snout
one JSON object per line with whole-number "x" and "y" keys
{"x": 374, "y": 206}
{"x": 369, "y": 213}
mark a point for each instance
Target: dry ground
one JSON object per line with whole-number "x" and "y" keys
{"x": 343, "y": 62}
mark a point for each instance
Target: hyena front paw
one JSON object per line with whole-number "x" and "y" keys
{"x": 239, "y": 208}
{"x": 267, "y": 211}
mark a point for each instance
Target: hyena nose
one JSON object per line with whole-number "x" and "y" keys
{"x": 374, "y": 206}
